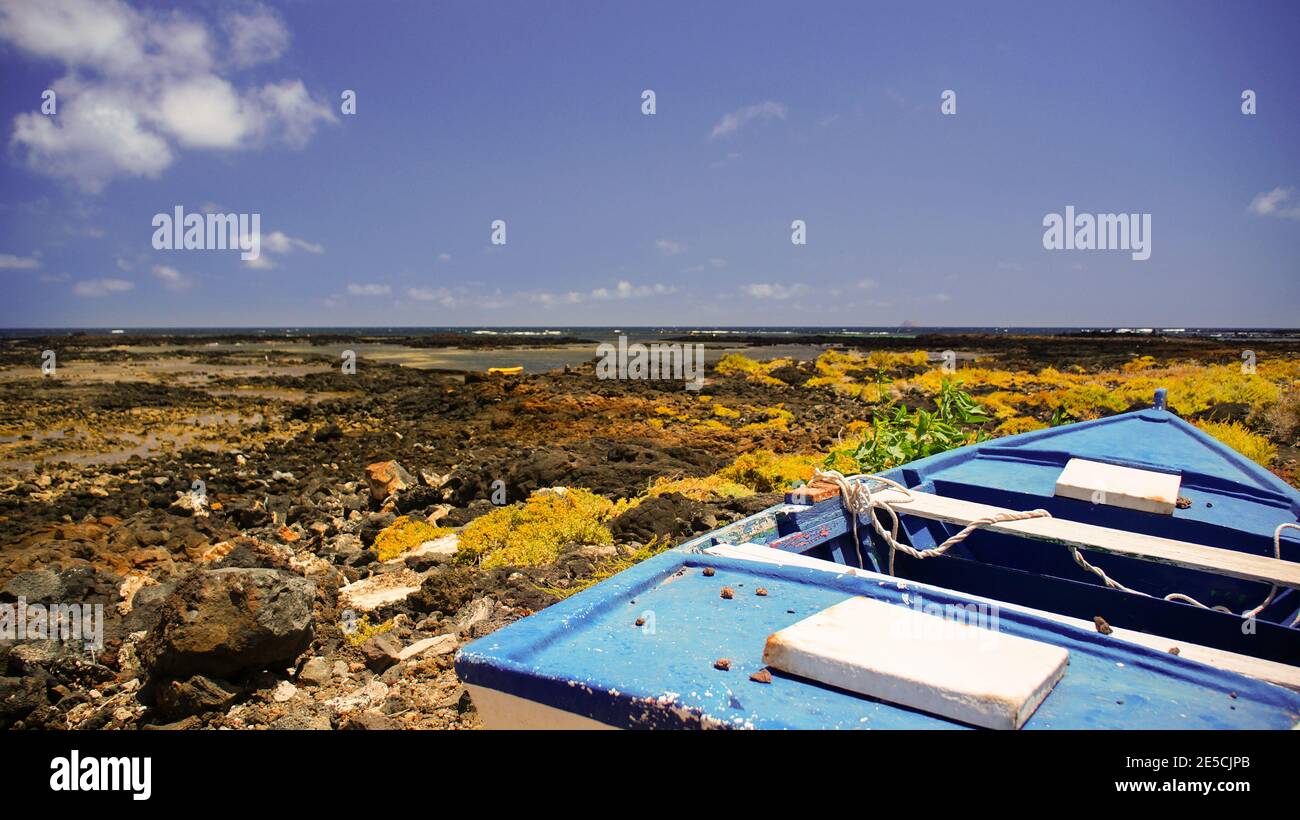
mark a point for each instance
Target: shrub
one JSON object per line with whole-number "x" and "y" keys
{"x": 1234, "y": 434}
{"x": 908, "y": 435}
{"x": 763, "y": 471}
{"x": 404, "y": 534}
{"x": 734, "y": 364}
{"x": 532, "y": 533}
{"x": 1283, "y": 417}
{"x": 709, "y": 488}
{"x": 1020, "y": 424}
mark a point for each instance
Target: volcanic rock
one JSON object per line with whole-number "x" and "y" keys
{"x": 228, "y": 622}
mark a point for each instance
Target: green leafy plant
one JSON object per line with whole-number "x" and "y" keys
{"x": 906, "y": 435}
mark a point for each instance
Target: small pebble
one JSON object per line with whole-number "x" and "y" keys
{"x": 708, "y": 572}
{"x": 723, "y": 664}
{"x": 640, "y": 621}
{"x": 1173, "y": 650}
{"x": 761, "y": 676}
{"x": 1102, "y": 626}
{"x": 728, "y": 592}
{"x": 761, "y": 591}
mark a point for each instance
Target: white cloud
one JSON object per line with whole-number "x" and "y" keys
{"x": 369, "y": 289}
{"x": 172, "y": 279}
{"x": 96, "y": 138}
{"x": 278, "y": 242}
{"x": 1276, "y": 203}
{"x": 735, "y": 120}
{"x": 440, "y": 295}
{"x": 868, "y": 283}
{"x": 622, "y": 290}
{"x": 256, "y": 36}
{"x": 288, "y": 111}
{"x": 10, "y": 262}
{"x": 718, "y": 263}
{"x": 668, "y": 247}
{"x": 626, "y": 290}
{"x": 203, "y": 112}
{"x": 140, "y": 85}
{"x": 262, "y": 262}
{"x": 101, "y": 287}
{"x": 444, "y": 257}
{"x": 763, "y": 290}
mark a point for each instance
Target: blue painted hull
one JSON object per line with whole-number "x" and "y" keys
{"x": 586, "y": 656}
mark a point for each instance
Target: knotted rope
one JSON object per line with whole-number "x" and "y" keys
{"x": 857, "y": 497}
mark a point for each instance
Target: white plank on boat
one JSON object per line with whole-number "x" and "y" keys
{"x": 894, "y": 653}
{"x": 1274, "y": 672}
{"x": 1101, "y": 539}
{"x": 1116, "y": 486}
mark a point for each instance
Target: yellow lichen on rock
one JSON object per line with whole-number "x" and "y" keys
{"x": 1234, "y": 434}
{"x": 709, "y": 488}
{"x": 404, "y": 534}
{"x": 734, "y": 364}
{"x": 532, "y": 533}
{"x": 764, "y": 471}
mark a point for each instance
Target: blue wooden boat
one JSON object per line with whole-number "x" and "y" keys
{"x": 1165, "y": 645}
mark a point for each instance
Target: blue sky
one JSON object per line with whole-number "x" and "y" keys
{"x": 765, "y": 113}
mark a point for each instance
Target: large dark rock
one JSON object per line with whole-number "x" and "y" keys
{"x": 228, "y": 622}
{"x": 671, "y": 515}
{"x": 19, "y": 696}
{"x": 34, "y": 586}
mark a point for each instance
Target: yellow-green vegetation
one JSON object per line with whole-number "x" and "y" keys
{"x": 1234, "y": 434}
{"x": 365, "y": 630}
{"x": 764, "y": 471}
{"x": 867, "y": 377}
{"x": 1019, "y": 424}
{"x": 719, "y": 418}
{"x": 403, "y": 534}
{"x": 734, "y": 364}
{"x": 531, "y": 533}
{"x": 709, "y": 488}
{"x": 609, "y": 568}
{"x": 1073, "y": 395}
{"x": 775, "y": 418}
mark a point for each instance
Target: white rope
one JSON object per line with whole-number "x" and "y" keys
{"x": 857, "y": 498}
{"x": 856, "y": 495}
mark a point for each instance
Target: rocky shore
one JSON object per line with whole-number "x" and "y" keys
{"x": 275, "y": 543}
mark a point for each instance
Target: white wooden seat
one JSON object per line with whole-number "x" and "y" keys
{"x": 955, "y": 669}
